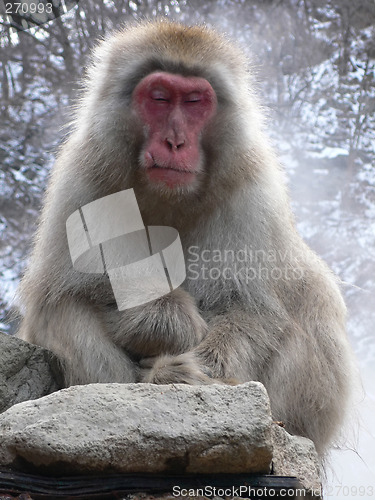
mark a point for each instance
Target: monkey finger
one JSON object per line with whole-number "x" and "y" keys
{"x": 230, "y": 381}
{"x": 180, "y": 369}
{"x": 147, "y": 363}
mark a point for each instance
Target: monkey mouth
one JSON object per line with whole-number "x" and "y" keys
{"x": 170, "y": 176}
{"x": 169, "y": 167}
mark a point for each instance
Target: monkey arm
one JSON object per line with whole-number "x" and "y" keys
{"x": 74, "y": 330}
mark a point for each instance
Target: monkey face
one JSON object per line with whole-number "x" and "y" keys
{"x": 174, "y": 111}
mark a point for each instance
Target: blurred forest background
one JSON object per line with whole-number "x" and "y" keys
{"x": 315, "y": 63}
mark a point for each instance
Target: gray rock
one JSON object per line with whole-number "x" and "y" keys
{"x": 26, "y": 371}
{"x": 296, "y": 456}
{"x": 141, "y": 428}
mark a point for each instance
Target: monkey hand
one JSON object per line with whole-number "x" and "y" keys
{"x": 171, "y": 324}
{"x": 181, "y": 369}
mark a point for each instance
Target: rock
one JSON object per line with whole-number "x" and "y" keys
{"x": 296, "y": 456}
{"x": 131, "y": 428}
{"x": 26, "y": 371}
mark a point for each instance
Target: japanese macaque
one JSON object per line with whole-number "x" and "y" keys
{"x": 168, "y": 110}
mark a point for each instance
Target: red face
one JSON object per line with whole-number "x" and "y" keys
{"x": 174, "y": 110}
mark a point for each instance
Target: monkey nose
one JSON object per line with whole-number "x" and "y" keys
{"x": 174, "y": 144}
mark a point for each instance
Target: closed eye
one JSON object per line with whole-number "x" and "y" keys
{"x": 159, "y": 95}
{"x": 193, "y": 97}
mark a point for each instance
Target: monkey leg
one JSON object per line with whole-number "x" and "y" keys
{"x": 75, "y": 332}
{"x": 309, "y": 384}
{"x": 306, "y": 373}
